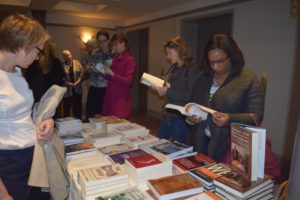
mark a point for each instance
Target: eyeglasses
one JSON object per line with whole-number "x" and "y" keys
{"x": 218, "y": 62}
{"x": 170, "y": 44}
{"x": 102, "y": 41}
{"x": 41, "y": 51}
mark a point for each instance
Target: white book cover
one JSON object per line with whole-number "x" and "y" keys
{"x": 152, "y": 81}
{"x": 132, "y": 129}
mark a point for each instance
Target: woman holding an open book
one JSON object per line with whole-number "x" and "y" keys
{"x": 180, "y": 76}
{"x": 227, "y": 87}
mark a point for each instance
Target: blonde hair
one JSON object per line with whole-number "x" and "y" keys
{"x": 180, "y": 46}
{"x": 21, "y": 31}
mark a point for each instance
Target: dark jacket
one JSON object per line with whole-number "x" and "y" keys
{"x": 239, "y": 95}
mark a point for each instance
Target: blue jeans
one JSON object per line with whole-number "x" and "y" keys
{"x": 173, "y": 127}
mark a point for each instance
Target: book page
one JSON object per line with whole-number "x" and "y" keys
{"x": 152, "y": 81}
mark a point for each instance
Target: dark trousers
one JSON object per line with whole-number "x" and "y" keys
{"x": 73, "y": 103}
{"x": 94, "y": 101}
{"x": 14, "y": 172}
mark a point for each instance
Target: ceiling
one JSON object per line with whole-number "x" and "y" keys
{"x": 95, "y": 9}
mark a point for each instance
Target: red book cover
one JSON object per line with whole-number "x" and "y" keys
{"x": 192, "y": 162}
{"x": 143, "y": 161}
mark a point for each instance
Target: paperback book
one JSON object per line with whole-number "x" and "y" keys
{"x": 114, "y": 149}
{"x": 120, "y": 157}
{"x": 171, "y": 187}
{"x": 172, "y": 148}
{"x": 79, "y": 148}
{"x": 153, "y": 81}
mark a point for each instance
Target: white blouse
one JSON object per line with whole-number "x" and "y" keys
{"x": 16, "y": 127}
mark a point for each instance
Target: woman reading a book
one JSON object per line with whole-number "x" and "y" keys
{"x": 117, "y": 100}
{"x": 22, "y": 40}
{"x": 180, "y": 76}
{"x": 227, "y": 87}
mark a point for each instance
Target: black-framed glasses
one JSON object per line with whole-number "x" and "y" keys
{"x": 41, "y": 51}
{"x": 170, "y": 44}
{"x": 219, "y": 61}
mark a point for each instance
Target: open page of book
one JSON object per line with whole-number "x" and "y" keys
{"x": 152, "y": 81}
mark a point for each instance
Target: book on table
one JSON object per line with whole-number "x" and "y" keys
{"x": 181, "y": 165}
{"x": 72, "y": 138}
{"x": 137, "y": 141}
{"x": 132, "y": 129}
{"x": 248, "y": 150}
{"x": 192, "y": 109}
{"x": 208, "y": 173}
{"x": 240, "y": 185}
{"x": 153, "y": 81}
{"x": 120, "y": 157}
{"x": 172, "y": 148}
{"x": 101, "y": 138}
{"x": 79, "y": 148}
{"x": 114, "y": 149}
{"x": 175, "y": 186}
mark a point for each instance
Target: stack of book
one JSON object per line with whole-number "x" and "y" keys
{"x": 172, "y": 149}
{"x": 100, "y": 138}
{"x": 236, "y": 185}
{"x": 132, "y": 129}
{"x": 185, "y": 164}
{"x": 142, "y": 168}
{"x": 111, "y": 123}
{"x": 138, "y": 140}
{"x": 68, "y": 124}
{"x": 120, "y": 157}
{"x": 208, "y": 195}
{"x": 208, "y": 173}
{"x": 102, "y": 179}
{"x": 175, "y": 186}
{"x": 79, "y": 150}
{"x": 72, "y": 138}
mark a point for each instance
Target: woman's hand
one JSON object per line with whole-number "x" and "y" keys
{"x": 162, "y": 91}
{"x": 45, "y": 130}
{"x": 108, "y": 71}
{"x": 220, "y": 119}
{"x": 193, "y": 119}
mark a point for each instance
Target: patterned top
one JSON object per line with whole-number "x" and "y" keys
{"x": 96, "y": 58}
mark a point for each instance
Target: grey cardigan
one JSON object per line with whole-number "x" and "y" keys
{"x": 239, "y": 95}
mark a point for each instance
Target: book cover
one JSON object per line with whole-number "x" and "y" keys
{"x": 245, "y": 150}
{"x": 120, "y": 157}
{"x": 79, "y": 148}
{"x": 175, "y": 186}
{"x": 192, "y": 162}
{"x": 172, "y": 149}
{"x": 130, "y": 194}
{"x": 208, "y": 195}
{"x": 153, "y": 81}
{"x": 143, "y": 161}
{"x": 114, "y": 149}
{"x": 209, "y": 173}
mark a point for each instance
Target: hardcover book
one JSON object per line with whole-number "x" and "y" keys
{"x": 175, "y": 186}
{"x": 248, "y": 150}
{"x": 120, "y": 157}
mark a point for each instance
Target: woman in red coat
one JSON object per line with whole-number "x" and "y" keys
{"x": 117, "y": 100}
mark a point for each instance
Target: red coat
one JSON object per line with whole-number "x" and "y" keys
{"x": 117, "y": 100}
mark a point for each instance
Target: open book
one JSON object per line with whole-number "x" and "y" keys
{"x": 192, "y": 109}
{"x": 153, "y": 81}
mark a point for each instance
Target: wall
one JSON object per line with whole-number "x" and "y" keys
{"x": 266, "y": 35}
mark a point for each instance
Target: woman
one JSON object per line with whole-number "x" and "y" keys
{"x": 99, "y": 57}
{"x": 180, "y": 76}
{"x": 73, "y": 77}
{"x": 227, "y": 87}
{"x": 117, "y": 100}
{"x": 22, "y": 40}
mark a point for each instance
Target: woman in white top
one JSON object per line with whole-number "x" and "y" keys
{"x": 22, "y": 40}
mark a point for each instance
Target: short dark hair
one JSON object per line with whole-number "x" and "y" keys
{"x": 120, "y": 37}
{"x": 104, "y": 33}
{"x": 229, "y": 46}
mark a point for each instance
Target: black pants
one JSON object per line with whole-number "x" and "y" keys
{"x": 94, "y": 101}
{"x": 74, "y": 103}
{"x": 14, "y": 172}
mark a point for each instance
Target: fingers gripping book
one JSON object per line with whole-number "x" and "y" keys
{"x": 192, "y": 109}
{"x": 153, "y": 81}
